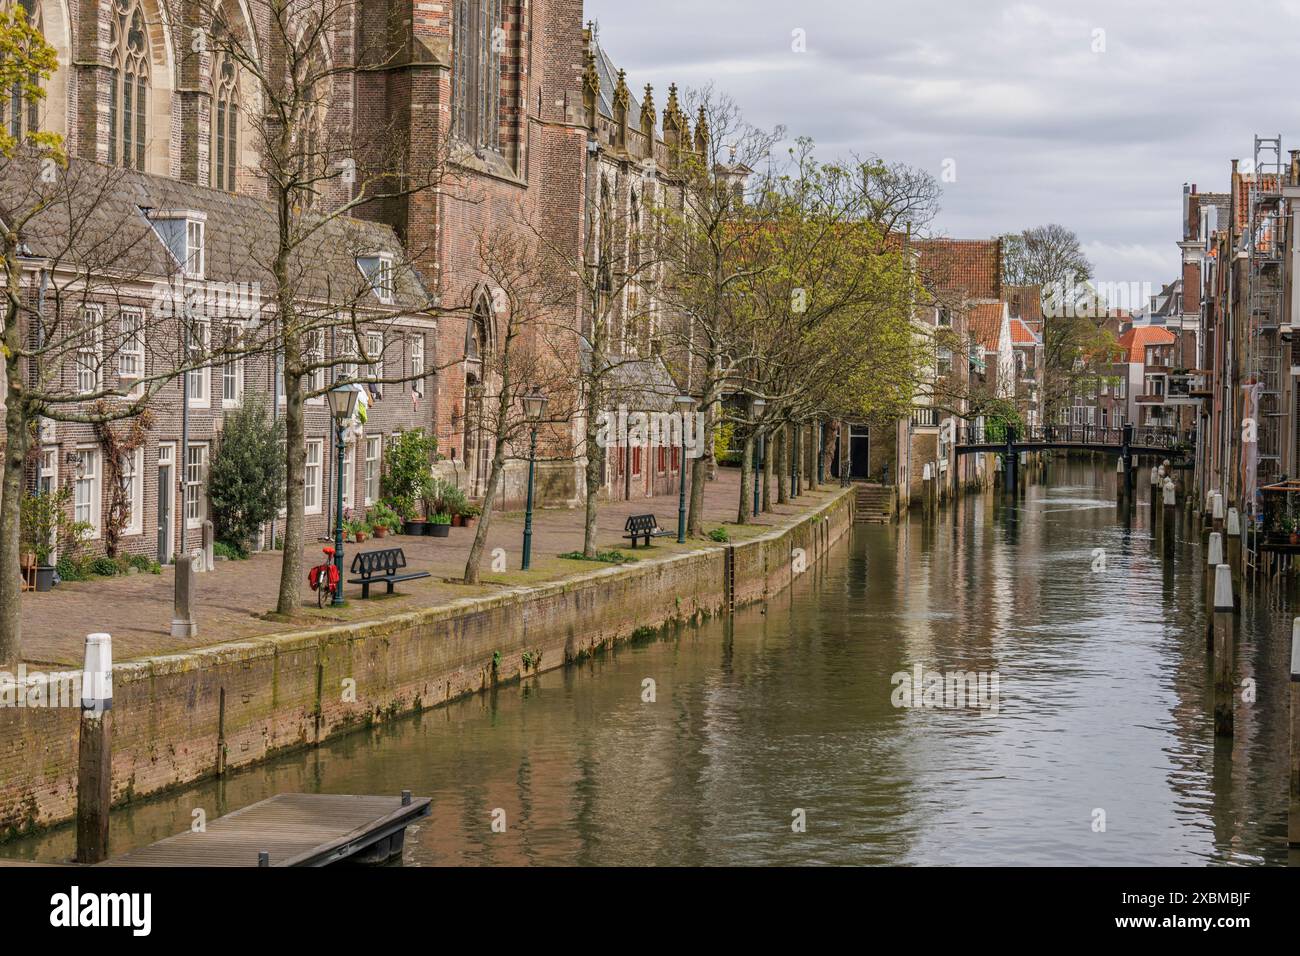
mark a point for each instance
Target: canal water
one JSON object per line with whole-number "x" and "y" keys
{"x": 785, "y": 736}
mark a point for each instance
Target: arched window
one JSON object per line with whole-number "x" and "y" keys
{"x": 310, "y": 87}
{"x": 22, "y": 113}
{"x": 225, "y": 109}
{"x": 128, "y": 94}
{"x": 478, "y": 42}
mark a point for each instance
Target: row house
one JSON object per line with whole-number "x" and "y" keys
{"x": 535, "y": 128}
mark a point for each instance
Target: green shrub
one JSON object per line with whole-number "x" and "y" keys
{"x": 407, "y": 469}
{"x": 102, "y": 566}
{"x": 69, "y": 569}
{"x": 246, "y": 477}
{"x": 228, "y": 550}
{"x": 608, "y": 557}
{"x": 719, "y": 534}
{"x": 142, "y": 562}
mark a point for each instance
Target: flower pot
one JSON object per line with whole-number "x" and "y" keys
{"x": 440, "y": 530}
{"x": 44, "y": 578}
{"x": 1294, "y": 537}
{"x": 470, "y": 520}
{"x": 361, "y": 537}
{"x": 413, "y": 527}
{"x": 381, "y": 531}
{"x": 457, "y": 521}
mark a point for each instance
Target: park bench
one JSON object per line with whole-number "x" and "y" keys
{"x": 643, "y": 526}
{"x": 383, "y": 566}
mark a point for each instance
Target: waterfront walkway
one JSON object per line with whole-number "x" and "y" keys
{"x": 232, "y": 602}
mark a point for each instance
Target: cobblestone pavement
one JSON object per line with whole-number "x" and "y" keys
{"x": 232, "y": 600}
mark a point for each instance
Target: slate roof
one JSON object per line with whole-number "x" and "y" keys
{"x": 98, "y": 221}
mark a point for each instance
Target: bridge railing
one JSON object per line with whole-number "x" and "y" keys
{"x": 1146, "y": 436}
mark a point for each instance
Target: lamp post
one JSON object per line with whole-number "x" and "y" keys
{"x": 758, "y": 406}
{"x": 685, "y": 405}
{"x": 343, "y": 405}
{"x": 534, "y": 408}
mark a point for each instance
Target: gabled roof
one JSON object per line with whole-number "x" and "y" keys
{"x": 1134, "y": 342}
{"x": 970, "y": 267}
{"x": 1022, "y": 334}
{"x": 985, "y": 319}
{"x": 1026, "y": 302}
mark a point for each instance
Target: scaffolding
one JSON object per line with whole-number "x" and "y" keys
{"x": 1262, "y": 343}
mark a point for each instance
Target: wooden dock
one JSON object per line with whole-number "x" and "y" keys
{"x": 291, "y": 829}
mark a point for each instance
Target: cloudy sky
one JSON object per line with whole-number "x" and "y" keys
{"x": 1091, "y": 114}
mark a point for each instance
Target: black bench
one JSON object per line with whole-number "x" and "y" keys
{"x": 383, "y": 566}
{"x": 643, "y": 526}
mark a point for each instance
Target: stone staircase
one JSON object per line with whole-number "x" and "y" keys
{"x": 875, "y": 503}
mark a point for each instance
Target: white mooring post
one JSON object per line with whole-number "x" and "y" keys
{"x": 1170, "y": 495}
{"x": 1213, "y": 558}
{"x": 1216, "y": 511}
{"x": 1223, "y": 624}
{"x": 95, "y": 749}
{"x": 1234, "y": 552}
{"x": 1121, "y": 486}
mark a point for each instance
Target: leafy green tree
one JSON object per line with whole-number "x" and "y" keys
{"x": 246, "y": 478}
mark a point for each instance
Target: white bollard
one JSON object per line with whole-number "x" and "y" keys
{"x": 97, "y": 674}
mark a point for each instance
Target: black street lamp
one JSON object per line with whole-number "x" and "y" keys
{"x": 534, "y": 409}
{"x": 758, "y": 406}
{"x": 685, "y": 405}
{"x": 343, "y": 405}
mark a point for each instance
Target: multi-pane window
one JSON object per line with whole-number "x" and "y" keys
{"x": 375, "y": 370}
{"x": 22, "y": 113}
{"x": 86, "y": 490}
{"x": 311, "y": 491}
{"x": 417, "y": 365}
{"x": 196, "y": 469}
{"x": 197, "y": 341}
{"x": 478, "y": 41}
{"x": 90, "y": 349}
{"x": 128, "y": 91}
{"x": 131, "y": 477}
{"x": 378, "y": 271}
{"x": 194, "y": 249}
{"x": 232, "y": 369}
{"x": 130, "y": 359}
{"x": 374, "y": 444}
{"x": 349, "y": 474}
{"x": 225, "y": 109}
{"x": 315, "y": 357}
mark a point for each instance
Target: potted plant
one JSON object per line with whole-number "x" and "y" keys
{"x": 469, "y": 515}
{"x": 383, "y": 518}
{"x": 44, "y": 520}
{"x": 440, "y": 524}
{"x": 454, "y": 503}
{"x": 406, "y": 475}
{"x": 360, "y": 530}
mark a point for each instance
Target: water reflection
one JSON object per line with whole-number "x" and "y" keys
{"x": 1104, "y": 706}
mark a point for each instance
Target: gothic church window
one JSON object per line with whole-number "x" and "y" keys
{"x": 478, "y": 42}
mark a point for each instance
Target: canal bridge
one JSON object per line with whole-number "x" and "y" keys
{"x": 1127, "y": 441}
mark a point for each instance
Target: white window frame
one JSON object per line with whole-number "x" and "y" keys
{"x": 130, "y": 356}
{"x": 194, "y": 249}
{"x": 316, "y": 487}
{"x": 316, "y": 353}
{"x": 91, "y": 483}
{"x": 232, "y": 368}
{"x": 373, "y": 468}
{"x": 417, "y": 364}
{"x": 349, "y": 475}
{"x": 134, "y": 474}
{"x": 194, "y": 487}
{"x": 90, "y": 351}
{"x": 375, "y": 369}
{"x": 378, "y": 270}
{"x": 199, "y": 337}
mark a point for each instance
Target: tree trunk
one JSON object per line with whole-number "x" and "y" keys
{"x": 595, "y": 473}
{"x": 700, "y": 468}
{"x": 767, "y": 474}
{"x": 11, "y": 496}
{"x": 295, "y": 463}
{"x": 746, "y": 480}
{"x": 782, "y": 467}
{"x": 475, "y": 558}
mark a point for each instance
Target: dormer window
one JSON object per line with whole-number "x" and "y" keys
{"x": 183, "y": 233}
{"x": 378, "y": 270}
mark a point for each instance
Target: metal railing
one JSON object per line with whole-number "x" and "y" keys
{"x": 1144, "y": 436}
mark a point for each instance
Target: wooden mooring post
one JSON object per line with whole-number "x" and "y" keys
{"x": 1121, "y": 480}
{"x": 95, "y": 750}
{"x": 1213, "y": 558}
{"x": 1234, "y": 553}
{"x": 1293, "y": 831}
{"x": 1222, "y": 625}
{"x": 1169, "y": 518}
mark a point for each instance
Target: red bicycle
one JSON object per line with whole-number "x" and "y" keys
{"x": 324, "y": 578}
